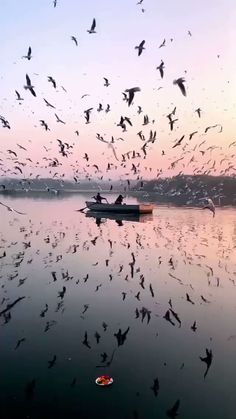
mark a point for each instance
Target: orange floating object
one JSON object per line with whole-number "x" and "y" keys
{"x": 104, "y": 380}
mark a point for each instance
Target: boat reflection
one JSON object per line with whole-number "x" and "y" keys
{"x": 119, "y": 218}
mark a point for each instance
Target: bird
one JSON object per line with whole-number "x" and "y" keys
{"x": 19, "y": 342}
{"x": 192, "y": 134}
{"x": 163, "y": 44}
{"x": 140, "y": 47}
{"x": 189, "y": 299}
{"x": 173, "y": 412}
{"x": 198, "y": 110}
{"x": 51, "y": 80}
{"x": 106, "y": 82}
{"x": 161, "y": 68}
{"x": 29, "y": 86}
{"x": 155, "y": 387}
{"x": 210, "y": 205}
{"x": 194, "y": 326}
{"x": 93, "y": 26}
{"x": 73, "y": 38}
{"x": 49, "y": 104}
{"x": 178, "y": 142}
{"x": 131, "y": 93}
{"x": 52, "y": 362}
{"x": 28, "y": 56}
{"x": 180, "y": 82}
{"x": 18, "y": 96}
{"x": 58, "y": 119}
{"x": 87, "y": 115}
{"x": 12, "y": 209}
{"x": 207, "y": 359}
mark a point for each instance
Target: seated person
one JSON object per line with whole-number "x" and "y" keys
{"x": 119, "y": 200}
{"x": 98, "y": 198}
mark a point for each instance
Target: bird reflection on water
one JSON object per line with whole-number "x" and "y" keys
{"x": 142, "y": 303}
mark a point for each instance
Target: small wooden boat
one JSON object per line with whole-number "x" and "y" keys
{"x": 120, "y": 208}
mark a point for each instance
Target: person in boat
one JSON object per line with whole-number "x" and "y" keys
{"x": 98, "y": 198}
{"x": 119, "y": 200}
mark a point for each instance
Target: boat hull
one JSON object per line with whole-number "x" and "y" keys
{"x": 120, "y": 208}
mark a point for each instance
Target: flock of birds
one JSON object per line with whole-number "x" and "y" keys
{"x": 128, "y": 164}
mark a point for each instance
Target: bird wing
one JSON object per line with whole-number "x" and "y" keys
{"x": 28, "y": 80}
{"x": 18, "y": 212}
{"x": 93, "y": 25}
{"x": 17, "y": 94}
{"x": 182, "y": 88}
{"x": 142, "y": 44}
{"x": 29, "y": 52}
{"x": 4, "y": 205}
{"x": 131, "y": 96}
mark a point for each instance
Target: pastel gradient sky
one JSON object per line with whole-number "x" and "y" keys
{"x": 206, "y": 59}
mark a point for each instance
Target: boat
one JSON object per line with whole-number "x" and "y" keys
{"x": 120, "y": 208}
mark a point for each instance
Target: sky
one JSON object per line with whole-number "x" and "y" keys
{"x": 205, "y": 57}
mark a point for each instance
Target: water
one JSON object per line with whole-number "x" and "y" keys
{"x": 178, "y": 251}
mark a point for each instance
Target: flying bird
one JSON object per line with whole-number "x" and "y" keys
{"x": 28, "y": 56}
{"x": 75, "y": 40}
{"x": 163, "y": 44}
{"x": 198, "y": 110}
{"x": 58, "y": 119}
{"x": 106, "y": 82}
{"x": 178, "y": 142}
{"x": 131, "y": 93}
{"x": 93, "y": 26}
{"x": 51, "y": 80}
{"x": 87, "y": 115}
{"x": 140, "y": 47}
{"x": 29, "y": 86}
{"x": 18, "y": 96}
{"x": 12, "y": 209}
{"x": 180, "y": 82}
{"x": 160, "y": 68}
{"x": 49, "y": 104}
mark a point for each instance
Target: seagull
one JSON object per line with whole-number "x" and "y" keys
{"x": 189, "y": 33}
{"x": 75, "y": 40}
{"x": 58, "y": 119}
{"x": 180, "y": 82}
{"x": 50, "y": 79}
{"x": 28, "y": 56}
{"x": 87, "y": 115}
{"x": 18, "y": 96}
{"x": 140, "y": 47}
{"x": 210, "y": 205}
{"x": 93, "y": 26}
{"x": 178, "y": 142}
{"x": 106, "y": 82}
{"x": 160, "y": 68}
{"x": 12, "y": 209}
{"x": 131, "y": 94}
{"x": 163, "y": 44}
{"x": 29, "y": 86}
{"x": 198, "y": 110}
{"x": 49, "y": 104}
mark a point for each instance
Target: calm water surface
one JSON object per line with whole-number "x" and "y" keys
{"x": 106, "y": 267}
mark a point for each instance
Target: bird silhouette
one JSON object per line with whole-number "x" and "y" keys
{"x": 180, "y": 82}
